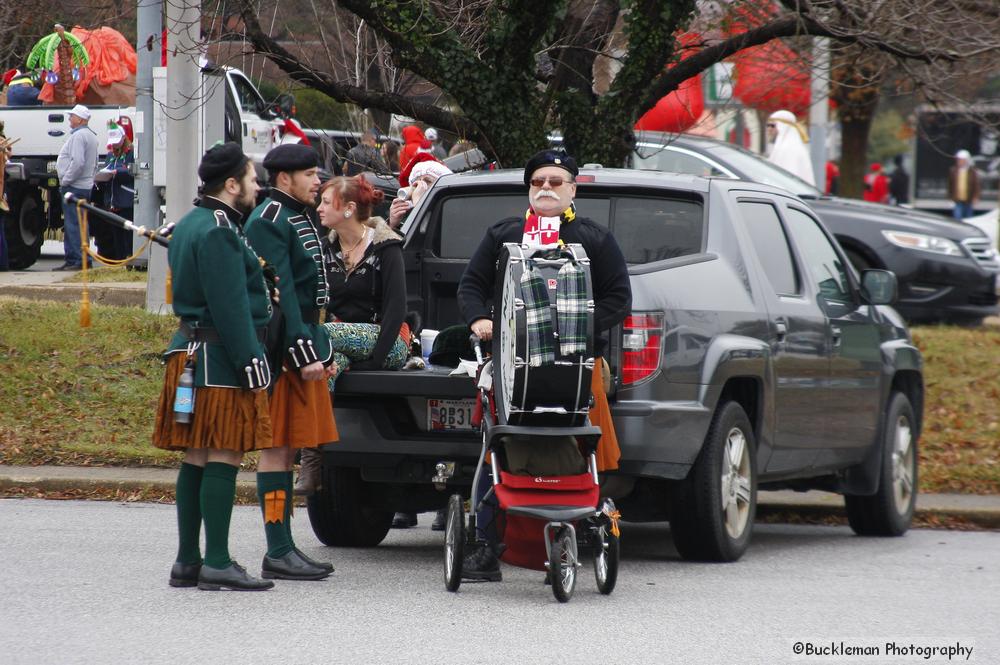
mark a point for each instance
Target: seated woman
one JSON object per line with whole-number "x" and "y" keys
{"x": 364, "y": 270}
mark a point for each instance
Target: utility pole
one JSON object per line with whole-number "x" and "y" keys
{"x": 819, "y": 115}
{"x": 181, "y": 108}
{"x": 149, "y": 15}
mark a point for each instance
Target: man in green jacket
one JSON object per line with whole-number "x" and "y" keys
{"x": 280, "y": 231}
{"x": 224, "y": 306}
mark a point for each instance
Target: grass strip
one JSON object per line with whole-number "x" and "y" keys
{"x": 87, "y": 396}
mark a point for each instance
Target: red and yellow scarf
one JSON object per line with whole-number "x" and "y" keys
{"x": 544, "y": 231}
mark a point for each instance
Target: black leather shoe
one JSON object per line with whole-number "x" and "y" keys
{"x": 308, "y": 559}
{"x": 481, "y": 565}
{"x": 440, "y": 520}
{"x": 404, "y": 520}
{"x": 291, "y": 567}
{"x": 184, "y": 574}
{"x": 68, "y": 267}
{"x": 233, "y": 577}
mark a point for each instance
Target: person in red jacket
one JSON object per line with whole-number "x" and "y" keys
{"x": 876, "y": 185}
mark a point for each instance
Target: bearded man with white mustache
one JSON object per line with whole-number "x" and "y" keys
{"x": 551, "y": 219}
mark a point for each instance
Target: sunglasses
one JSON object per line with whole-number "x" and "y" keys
{"x": 554, "y": 181}
{"x": 771, "y": 125}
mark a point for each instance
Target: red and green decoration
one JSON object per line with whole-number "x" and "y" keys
{"x": 62, "y": 54}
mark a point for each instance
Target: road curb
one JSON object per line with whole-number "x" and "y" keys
{"x": 246, "y": 489}
{"x": 979, "y": 517}
{"x": 157, "y": 483}
{"x": 100, "y": 294}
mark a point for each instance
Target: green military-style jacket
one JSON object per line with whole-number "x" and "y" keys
{"x": 281, "y": 232}
{"x": 219, "y": 290}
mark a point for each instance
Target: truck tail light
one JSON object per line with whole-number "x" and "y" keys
{"x": 642, "y": 336}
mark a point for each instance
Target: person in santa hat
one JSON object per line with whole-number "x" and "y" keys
{"x": 418, "y": 177}
{"x": 115, "y": 189}
{"x": 21, "y": 90}
{"x": 876, "y": 185}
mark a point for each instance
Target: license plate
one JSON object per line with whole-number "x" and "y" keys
{"x": 445, "y": 414}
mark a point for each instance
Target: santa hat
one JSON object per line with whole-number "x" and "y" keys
{"x": 126, "y": 124}
{"x": 10, "y": 75}
{"x": 423, "y": 163}
{"x": 876, "y": 166}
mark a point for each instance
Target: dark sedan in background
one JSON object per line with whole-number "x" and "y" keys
{"x": 947, "y": 270}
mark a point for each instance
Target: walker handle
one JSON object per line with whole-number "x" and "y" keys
{"x": 477, "y": 347}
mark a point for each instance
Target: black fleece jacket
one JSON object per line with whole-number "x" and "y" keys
{"x": 375, "y": 292}
{"x": 608, "y": 271}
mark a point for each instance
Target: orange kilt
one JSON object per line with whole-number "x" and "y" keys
{"x": 608, "y": 452}
{"x": 224, "y": 418}
{"x": 301, "y": 413}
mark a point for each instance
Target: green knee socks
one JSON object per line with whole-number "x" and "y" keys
{"x": 218, "y": 489}
{"x": 189, "y": 513}
{"x": 274, "y": 491}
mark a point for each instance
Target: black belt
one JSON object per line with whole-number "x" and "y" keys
{"x": 210, "y": 335}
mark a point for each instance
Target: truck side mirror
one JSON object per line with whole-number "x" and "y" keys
{"x": 879, "y": 287}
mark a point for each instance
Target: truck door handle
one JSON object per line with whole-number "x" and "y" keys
{"x": 781, "y": 329}
{"x": 56, "y": 132}
{"x": 836, "y": 333}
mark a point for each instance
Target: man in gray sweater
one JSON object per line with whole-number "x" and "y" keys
{"x": 75, "y": 167}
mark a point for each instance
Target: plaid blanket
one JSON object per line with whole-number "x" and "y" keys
{"x": 541, "y": 335}
{"x": 571, "y": 308}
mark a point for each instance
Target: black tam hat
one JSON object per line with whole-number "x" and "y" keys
{"x": 452, "y": 345}
{"x": 291, "y": 157}
{"x": 549, "y": 158}
{"x": 221, "y": 162}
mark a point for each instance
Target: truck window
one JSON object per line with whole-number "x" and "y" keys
{"x": 825, "y": 265}
{"x": 771, "y": 244}
{"x": 464, "y": 219}
{"x": 249, "y": 99}
{"x": 654, "y": 229}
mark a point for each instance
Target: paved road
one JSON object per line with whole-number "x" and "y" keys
{"x": 85, "y": 582}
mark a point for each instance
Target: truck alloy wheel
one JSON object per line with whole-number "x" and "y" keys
{"x": 889, "y": 512}
{"x": 712, "y": 510}
{"x": 736, "y": 481}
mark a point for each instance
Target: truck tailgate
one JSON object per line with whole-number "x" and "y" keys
{"x": 432, "y": 382}
{"x": 385, "y": 424}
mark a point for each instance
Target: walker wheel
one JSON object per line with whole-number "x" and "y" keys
{"x": 606, "y": 554}
{"x": 454, "y": 542}
{"x": 562, "y": 565}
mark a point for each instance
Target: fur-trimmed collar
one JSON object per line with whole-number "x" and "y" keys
{"x": 383, "y": 232}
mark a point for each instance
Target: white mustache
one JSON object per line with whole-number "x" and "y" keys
{"x": 546, "y": 194}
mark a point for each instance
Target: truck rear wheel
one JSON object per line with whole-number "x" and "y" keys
{"x": 24, "y": 228}
{"x": 713, "y": 509}
{"x": 343, "y": 512}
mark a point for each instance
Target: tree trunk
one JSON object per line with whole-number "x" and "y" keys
{"x": 65, "y": 88}
{"x": 854, "y": 146}
{"x": 857, "y": 76}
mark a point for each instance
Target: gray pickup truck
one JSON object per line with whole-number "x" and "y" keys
{"x": 753, "y": 358}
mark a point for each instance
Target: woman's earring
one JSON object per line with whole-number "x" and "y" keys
{"x": 347, "y": 214}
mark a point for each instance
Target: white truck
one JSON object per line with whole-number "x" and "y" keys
{"x": 32, "y": 185}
